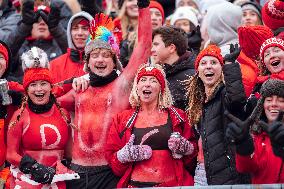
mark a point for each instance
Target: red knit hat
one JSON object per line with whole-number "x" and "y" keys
{"x": 252, "y": 37}
{"x": 35, "y": 66}
{"x": 273, "y": 14}
{"x": 272, "y": 42}
{"x": 152, "y": 71}
{"x": 4, "y": 51}
{"x": 155, "y": 4}
{"x": 35, "y": 74}
{"x": 210, "y": 50}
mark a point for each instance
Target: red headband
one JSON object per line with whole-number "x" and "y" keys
{"x": 152, "y": 71}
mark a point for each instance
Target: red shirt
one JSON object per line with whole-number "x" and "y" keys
{"x": 114, "y": 143}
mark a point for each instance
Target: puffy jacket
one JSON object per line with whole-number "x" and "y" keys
{"x": 19, "y": 42}
{"x": 218, "y": 154}
{"x": 176, "y": 74}
{"x": 121, "y": 131}
{"x": 8, "y": 20}
{"x": 263, "y": 166}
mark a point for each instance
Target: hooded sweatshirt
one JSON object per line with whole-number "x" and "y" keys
{"x": 223, "y": 21}
{"x": 71, "y": 63}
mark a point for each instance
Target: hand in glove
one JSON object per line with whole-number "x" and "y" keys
{"x": 180, "y": 146}
{"x": 234, "y": 53}
{"x": 53, "y": 18}
{"x": 238, "y": 133}
{"x": 131, "y": 153}
{"x": 16, "y": 97}
{"x": 143, "y": 3}
{"x": 276, "y": 133}
{"x": 40, "y": 173}
{"x": 194, "y": 39}
{"x": 29, "y": 17}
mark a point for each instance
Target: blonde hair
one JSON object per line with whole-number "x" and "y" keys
{"x": 125, "y": 21}
{"x": 165, "y": 98}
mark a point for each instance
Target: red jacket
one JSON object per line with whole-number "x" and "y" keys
{"x": 63, "y": 68}
{"x": 263, "y": 166}
{"x": 115, "y": 143}
{"x": 249, "y": 72}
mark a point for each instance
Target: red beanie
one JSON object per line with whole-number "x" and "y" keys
{"x": 155, "y": 4}
{"x": 35, "y": 66}
{"x": 4, "y": 51}
{"x": 272, "y": 42}
{"x": 210, "y": 50}
{"x": 152, "y": 71}
{"x": 252, "y": 37}
{"x": 273, "y": 14}
{"x": 35, "y": 74}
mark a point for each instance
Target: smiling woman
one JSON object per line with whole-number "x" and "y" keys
{"x": 148, "y": 127}
{"x": 38, "y": 132}
{"x": 216, "y": 86}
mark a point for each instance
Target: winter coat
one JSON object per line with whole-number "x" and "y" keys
{"x": 263, "y": 166}
{"x": 8, "y": 21}
{"x": 218, "y": 155}
{"x": 176, "y": 74}
{"x": 118, "y": 137}
{"x": 19, "y": 42}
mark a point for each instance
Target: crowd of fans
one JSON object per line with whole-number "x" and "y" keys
{"x": 141, "y": 93}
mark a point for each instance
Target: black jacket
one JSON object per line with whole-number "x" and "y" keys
{"x": 176, "y": 74}
{"x": 219, "y": 156}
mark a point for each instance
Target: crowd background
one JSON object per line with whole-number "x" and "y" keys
{"x": 108, "y": 75}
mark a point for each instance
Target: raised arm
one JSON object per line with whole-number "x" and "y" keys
{"x": 235, "y": 97}
{"x": 142, "y": 51}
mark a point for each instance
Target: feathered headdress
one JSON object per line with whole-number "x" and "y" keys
{"x": 35, "y": 66}
{"x": 103, "y": 34}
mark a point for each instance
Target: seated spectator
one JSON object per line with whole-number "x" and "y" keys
{"x": 251, "y": 14}
{"x": 39, "y": 27}
{"x": 8, "y": 20}
{"x": 39, "y": 131}
{"x": 141, "y": 140}
{"x": 261, "y": 153}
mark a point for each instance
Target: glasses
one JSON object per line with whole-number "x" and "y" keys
{"x": 104, "y": 54}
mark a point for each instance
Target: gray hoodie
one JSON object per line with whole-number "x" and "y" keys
{"x": 223, "y": 21}
{"x": 77, "y": 15}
